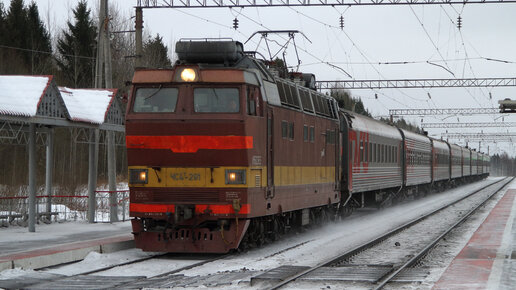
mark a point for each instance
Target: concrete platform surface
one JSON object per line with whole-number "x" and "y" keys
{"x": 60, "y": 243}
{"x": 488, "y": 260}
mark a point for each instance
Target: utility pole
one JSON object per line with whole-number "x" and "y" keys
{"x": 103, "y": 68}
{"x": 99, "y": 64}
{"x": 139, "y": 37}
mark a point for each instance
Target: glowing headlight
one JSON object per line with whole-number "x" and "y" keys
{"x": 235, "y": 176}
{"x": 138, "y": 176}
{"x": 188, "y": 75}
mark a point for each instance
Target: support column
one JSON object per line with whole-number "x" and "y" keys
{"x": 32, "y": 177}
{"x": 111, "y": 155}
{"x": 92, "y": 173}
{"x": 49, "y": 170}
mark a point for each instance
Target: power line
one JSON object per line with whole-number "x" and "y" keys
{"x": 45, "y": 52}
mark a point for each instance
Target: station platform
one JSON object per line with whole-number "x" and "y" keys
{"x": 488, "y": 260}
{"x": 57, "y": 243}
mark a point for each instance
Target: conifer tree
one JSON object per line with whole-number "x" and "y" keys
{"x": 76, "y": 48}
{"x": 26, "y": 42}
{"x": 156, "y": 53}
{"x": 14, "y": 61}
{"x": 348, "y": 102}
{"x": 38, "y": 40}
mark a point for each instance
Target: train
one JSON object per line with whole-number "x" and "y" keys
{"x": 226, "y": 151}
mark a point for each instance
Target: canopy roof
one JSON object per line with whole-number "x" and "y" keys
{"x": 37, "y": 99}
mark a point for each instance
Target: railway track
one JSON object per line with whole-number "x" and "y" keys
{"x": 91, "y": 280}
{"x": 396, "y": 246}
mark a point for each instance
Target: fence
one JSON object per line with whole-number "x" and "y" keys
{"x": 14, "y": 210}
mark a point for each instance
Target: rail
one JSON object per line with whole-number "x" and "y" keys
{"x": 379, "y": 239}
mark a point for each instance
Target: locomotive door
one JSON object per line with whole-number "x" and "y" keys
{"x": 270, "y": 155}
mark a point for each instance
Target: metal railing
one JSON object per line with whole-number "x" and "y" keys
{"x": 60, "y": 208}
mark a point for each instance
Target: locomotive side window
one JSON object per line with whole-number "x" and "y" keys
{"x": 155, "y": 100}
{"x": 291, "y": 131}
{"x": 284, "y": 129}
{"x": 216, "y": 100}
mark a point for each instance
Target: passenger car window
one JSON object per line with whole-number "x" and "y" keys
{"x": 155, "y": 100}
{"x": 216, "y": 100}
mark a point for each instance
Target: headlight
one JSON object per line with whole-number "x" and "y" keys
{"x": 235, "y": 176}
{"x": 138, "y": 176}
{"x": 188, "y": 75}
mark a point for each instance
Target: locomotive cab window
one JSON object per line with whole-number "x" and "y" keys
{"x": 155, "y": 100}
{"x": 216, "y": 100}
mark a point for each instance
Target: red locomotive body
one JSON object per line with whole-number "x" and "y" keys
{"x": 210, "y": 158}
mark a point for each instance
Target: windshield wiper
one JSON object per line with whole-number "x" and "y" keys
{"x": 154, "y": 93}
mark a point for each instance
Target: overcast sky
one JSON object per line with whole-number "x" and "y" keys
{"x": 371, "y": 35}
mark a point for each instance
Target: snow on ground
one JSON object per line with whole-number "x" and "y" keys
{"x": 57, "y": 232}
{"x": 98, "y": 261}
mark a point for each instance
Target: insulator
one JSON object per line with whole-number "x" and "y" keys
{"x": 490, "y": 96}
{"x": 376, "y": 96}
{"x": 459, "y": 22}
{"x": 341, "y": 22}
{"x": 235, "y": 23}
{"x": 429, "y": 96}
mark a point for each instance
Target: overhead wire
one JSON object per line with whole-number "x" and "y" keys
{"x": 355, "y": 46}
{"x": 467, "y": 59}
{"x": 440, "y": 54}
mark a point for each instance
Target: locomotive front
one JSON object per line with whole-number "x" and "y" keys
{"x": 193, "y": 143}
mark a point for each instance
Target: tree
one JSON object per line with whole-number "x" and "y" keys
{"x": 38, "y": 40}
{"x": 348, "y": 102}
{"x": 76, "y": 48}
{"x": 155, "y": 53}
{"x": 26, "y": 41}
{"x": 13, "y": 36}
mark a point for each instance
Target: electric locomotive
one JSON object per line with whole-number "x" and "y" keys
{"x": 219, "y": 148}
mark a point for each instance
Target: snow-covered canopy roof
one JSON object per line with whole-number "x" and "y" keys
{"x": 88, "y": 105}
{"x": 21, "y": 95}
{"x": 38, "y": 99}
